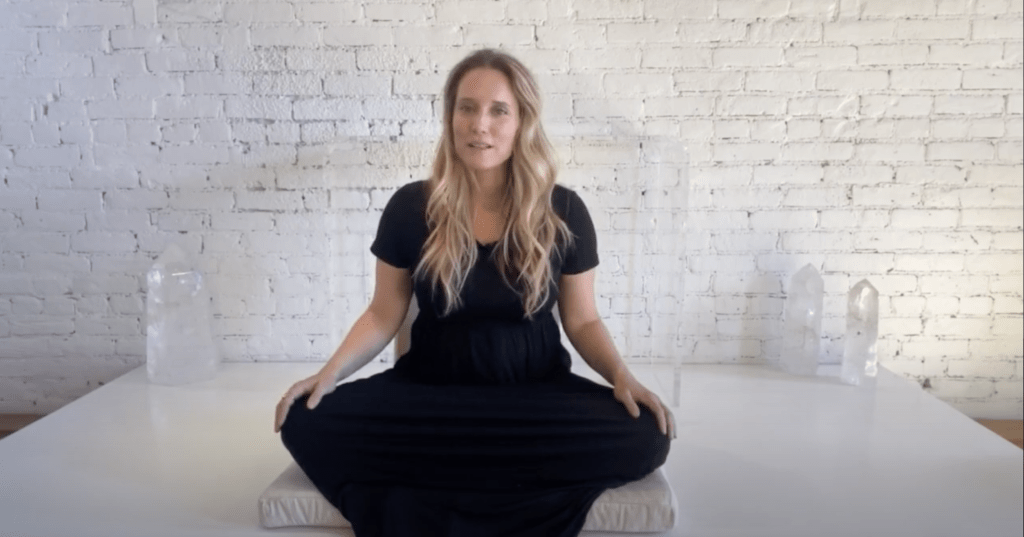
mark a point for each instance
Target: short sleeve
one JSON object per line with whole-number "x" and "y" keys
{"x": 402, "y": 228}
{"x": 581, "y": 255}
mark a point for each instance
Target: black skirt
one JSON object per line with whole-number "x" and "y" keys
{"x": 437, "y": 446}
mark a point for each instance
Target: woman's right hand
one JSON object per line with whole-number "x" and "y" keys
{"x": 316, "y": 386}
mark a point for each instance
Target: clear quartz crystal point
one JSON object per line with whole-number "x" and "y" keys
{"x": 802, "y": 337}
{"x": 860, "y": 359}
{"x": 179, "y": 343}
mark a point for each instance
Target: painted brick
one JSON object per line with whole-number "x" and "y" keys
{"x": 52, "y": 221}
{"x": 332, "y": 12}
{"x": 954, "y": 242}
{"x": 710, "y": 32}
{"x": 888, "y": 241}
{"x": 276, "y": 60}
{"x": 122, "y": 38}
{"x": 62, "y": 156}
{"x": 378, "y": 59}
{"x": 172, "y": 60}
{"x": 955, "y": 128}
{"x": 286, "y": 36}
{"x": 1015, "y": 104}
{"x": 751, "y": 106}
{"x": 903, "y": 152}
{"x": 969, "y": 151}
{"x": 823, "y": 106}
{"x": 853, "y": 80}
{"x": 992, "y": 79}
{"x": 642, "y": 84}
{"x": 740, "y": 9}
{"x": 924, "y": 219}
{"x": 929, "y": 79}
{"x": 300, "y": 84}
{"x": 350, "y": 35}
{"x": 675, "y": 58}
{"x": 990, "y": 217}
{"x": 896, "y": 106}
{"x": 974, "y": 55}
{"x": 962, "y": 105}
{"x": 188, "y": 107}
{"x": 119, "y": 221}
{"x": 397, "y": 12}
{"x": 647, "y": 32}
{"x": 994, "y": 263}
{"x": 248, "y": 12}
{"x": 1005, "y": 29}
{"x": 831, "y": 57}
{"x": 932, "y": 29}
{"x": 498, "y": 35}
{"x": 747, "y": 56}
{"x": 697, "y": 9}
{"x": 262, "y": 108}
{"x": 786, "y": 31}
{"x": 104, "y": 14}
{"x": 942, "y": 305}
{"x": 110, "y": 242}
{"x": 217, "y": 84}
{"x": 859, "y": 31}
{"x": 473, "y": 11}
{"x": 892, "y": 54}
{"x": 887, "y": 195}
{"x": 779, "y": 81}
{"x": 619, "y": 58}
{"x": 579, "y": 36}
{"x": 799, "y": 151}
{"x": 17, "y": 40}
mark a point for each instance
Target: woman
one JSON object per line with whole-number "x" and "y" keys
{"x": 480, "y": 429}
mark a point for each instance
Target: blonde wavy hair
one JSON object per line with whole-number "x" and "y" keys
{"x": 532, "y": 228}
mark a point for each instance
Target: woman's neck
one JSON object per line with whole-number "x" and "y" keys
{"x": 488, "y": 189}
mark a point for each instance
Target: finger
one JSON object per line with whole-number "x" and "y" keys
{"x": 286, "y": 403}
{"x": 651, "y": 401}
{"x": 314, "y": 397}
{"x": 630, "y": 404}
{"x": 319, "y": 392}
{"x": 659, "y": 413}
{"x": 281, "y": 413}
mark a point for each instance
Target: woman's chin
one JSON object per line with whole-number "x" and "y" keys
{"x": 483, "y": 166}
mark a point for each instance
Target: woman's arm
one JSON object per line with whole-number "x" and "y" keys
{"x": 590, "y": 337}
{"x": 368, "y": 336}
{"x": 377, "y": 326}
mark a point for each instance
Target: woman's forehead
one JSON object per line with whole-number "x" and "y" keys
{"x": 487, "y": 85}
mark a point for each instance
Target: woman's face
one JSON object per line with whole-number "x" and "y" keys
{"x": 485, "y": 120}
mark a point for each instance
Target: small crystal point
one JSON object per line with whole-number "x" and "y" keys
{"x": 179, "y": 342}
{"x": 860, "y": 358}
{"x": 802, "y": 337}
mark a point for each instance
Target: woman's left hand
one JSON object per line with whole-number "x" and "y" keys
{"x": 631, "y": 394}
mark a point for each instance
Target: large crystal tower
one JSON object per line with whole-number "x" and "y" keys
{"x": 802, "y": 338}
{"x": 179, "y": 342}
{"x": 860, "y": 359}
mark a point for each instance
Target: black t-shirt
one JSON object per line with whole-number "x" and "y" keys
{"x": 403, "y": 231}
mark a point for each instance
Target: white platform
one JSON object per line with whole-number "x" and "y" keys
{"x": 758, "y": 454}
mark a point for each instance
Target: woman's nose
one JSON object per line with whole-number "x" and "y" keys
{"x": 478, "y": 123}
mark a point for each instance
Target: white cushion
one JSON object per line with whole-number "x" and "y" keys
{"x": 647, "y": 505}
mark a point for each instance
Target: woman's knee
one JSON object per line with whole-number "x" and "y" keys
{"x": 297, "y": 423}
{"x": 654, "y": 443}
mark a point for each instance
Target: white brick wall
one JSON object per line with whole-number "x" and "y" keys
{"x": 872, "y": 138}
